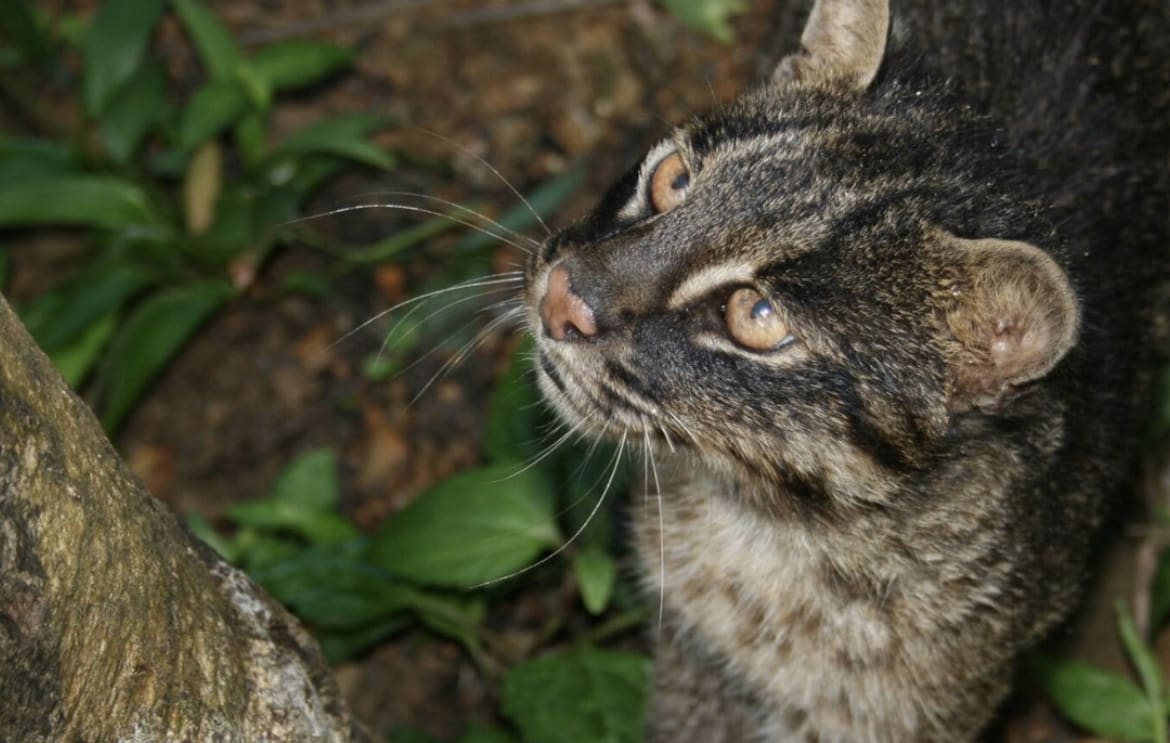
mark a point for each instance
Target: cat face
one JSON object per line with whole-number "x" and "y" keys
{"x": 779, "y": 285}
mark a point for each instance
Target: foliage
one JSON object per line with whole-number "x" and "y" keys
{"x": 178, "y": 197}
{"x": 709, "y": 16}
{"x": 440, "y": 561}
{"x": 1108, "y": 704}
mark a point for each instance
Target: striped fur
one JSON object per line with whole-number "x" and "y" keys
{"x": 862, "y": 530}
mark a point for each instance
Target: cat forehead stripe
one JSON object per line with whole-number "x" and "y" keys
{"x": 711, "y": 277}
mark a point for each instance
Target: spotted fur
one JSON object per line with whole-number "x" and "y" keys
{"x": 961, "y": 210}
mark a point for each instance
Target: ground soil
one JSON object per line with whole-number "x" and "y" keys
{"x": 530, "y": 87}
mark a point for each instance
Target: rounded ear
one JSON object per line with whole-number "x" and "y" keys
{"x": 1013, "y": 314}
{"x": 843, "y": 42}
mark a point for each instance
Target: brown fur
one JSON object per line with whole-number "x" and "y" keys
{"x": 860, "y": 529}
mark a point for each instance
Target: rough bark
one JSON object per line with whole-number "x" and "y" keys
{"x": 116, "y": 624}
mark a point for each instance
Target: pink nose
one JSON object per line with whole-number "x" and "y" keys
{"x": 563, "y": 313}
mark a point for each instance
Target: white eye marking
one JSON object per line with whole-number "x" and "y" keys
{"x": 703, "y": 281}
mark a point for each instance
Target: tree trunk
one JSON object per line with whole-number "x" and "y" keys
{"x": 115, "y": 622}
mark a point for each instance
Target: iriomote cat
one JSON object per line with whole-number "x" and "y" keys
{"x": 885, "y": 325}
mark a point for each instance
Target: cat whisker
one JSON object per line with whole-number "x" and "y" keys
{"x": 499, "y": 281}
{"x": 481, "y": 335}
{"x": 548, "y": 450}
{"x": 515, "y": 191}
{"x": 417, "y": 209}
{"x": 661, "y": 535}
{"x": 495, "y": 224}
{"x": 617, "y": 459}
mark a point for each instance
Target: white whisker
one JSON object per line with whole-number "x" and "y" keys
{"x": 490, "y": 167}
{"x": 617, "y": 459}
{"x": 495, "y": 224}
{"x": 411, "y": 208}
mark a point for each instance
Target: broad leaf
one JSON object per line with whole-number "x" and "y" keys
{"x": 1097, "y": 700}
{"x": 586, "y": 694}
{"x": 217, "y": 50}
{"x": 295, "y": 64}
{"x": 214, "y": 107}
{"x": 340, "y": 136}
{"x": 303, "y": 502}
{"x": 76, "y": 360}
{"x": 22, "y": 160}
{"x": 136, "y": 108}
{"x": 150, "y": 337}
{"x": 708, "y": 16}
{"x": 114, "y": 47}
{"x": 76, "y": 200}
{"x": 59, "y": 317}
{"x": 478, "y": 526}
{"x": 512, "y": 426}
{"x": 23, "y": 32}
{"x": 596, "y": 576}
{"x": 542, "y": 202}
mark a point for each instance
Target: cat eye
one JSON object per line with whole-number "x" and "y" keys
{"x": 754, "y": 322}
{"x": 669, "y": 183}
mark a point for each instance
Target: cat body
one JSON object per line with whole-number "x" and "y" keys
{"x": 884, "y": 326}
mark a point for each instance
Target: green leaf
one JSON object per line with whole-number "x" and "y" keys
{"x": 302, "y": 501}
{"x": 310, "y": 481}
{"x": 514, "y": 412}
{"x": 400, "y": 241}
{"x": 29, "y": 159}
{"x": 76, "y": 200}
{"x": 60, "y": 316}
{"x": 479, "y": 734}
{"x": 5, "y": 266}
{"x": 1147, "y": 667}
{"x": 331, "y": 586}
{"x": 250, "y": 138}
{"x": 586, "y": 694}
{"x": 478, "y": 526}
{"x": 220, "y": 55}
{"x": 136, "y": 108}
{"x": 341, "y": 136}
{"x": 218, "y": 104}
{"x": 256, "y": 86}
{"x": 708, "y": 16}
{"x": 296, "y": 64}
{"x": 1160, "y": 592}
{"x": 203, "y": 529}
{"x": 78, "y": 359}
{"x": 596, "y": 576}
{"x": 114, "y": 47}
{"x": 150, "y": 337}
{"x": 1097, "y": 700}
{"x": 340, "y": 645}
{"x": 21, "y": 29}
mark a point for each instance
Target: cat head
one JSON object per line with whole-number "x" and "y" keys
{"x": 811, "y": 284}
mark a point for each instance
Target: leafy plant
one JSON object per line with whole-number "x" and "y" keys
{"x": 1106, "y": 703}
{"x": 179, "y": 198}
{"x": 709, "y": 16}
{"x": 437, "y": 563}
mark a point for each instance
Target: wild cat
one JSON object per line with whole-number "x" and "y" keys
{"x": 884, "y": 325}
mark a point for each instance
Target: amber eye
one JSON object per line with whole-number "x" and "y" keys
{"x": 754, "y": 322}
{"x": 668, "y": 183}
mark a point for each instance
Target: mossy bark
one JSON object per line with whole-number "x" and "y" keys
{"x": 115, "y": 622}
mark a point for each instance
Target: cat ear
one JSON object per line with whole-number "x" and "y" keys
{"x": 843, "y": 42}
{"x": 1013, "y": 314}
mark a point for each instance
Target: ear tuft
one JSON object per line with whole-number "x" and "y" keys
{"x": 843, "y": 42}
{"x": 1014, "y": 316}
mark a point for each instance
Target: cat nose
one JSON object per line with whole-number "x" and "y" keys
{"x": 564, "y": 314}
